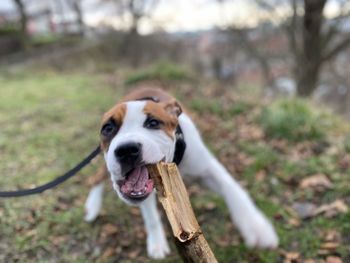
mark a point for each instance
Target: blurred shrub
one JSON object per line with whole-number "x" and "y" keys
{"x": 9, "y": 30}
{"x": 239, "y": 107}
{"x": 292, "y": 119}
{"x": 347, "y": 143}
{"x": 163, "y": 71}
{"x": 202, "y": 106}
{"x": 217, "y": 107}
{"x": 41, "y": 40}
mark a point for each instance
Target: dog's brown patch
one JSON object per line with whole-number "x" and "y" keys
{"x": 160, "y": 112}
{"x": 117, "y": 113}
{"x": 146, "y": 92}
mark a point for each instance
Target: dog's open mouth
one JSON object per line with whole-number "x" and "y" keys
{"x": 137, "y": 185}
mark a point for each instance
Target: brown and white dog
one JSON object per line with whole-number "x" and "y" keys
{"x": 148, "y": 126}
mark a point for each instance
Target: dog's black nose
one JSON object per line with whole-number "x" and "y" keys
{"x": 128, "y": 154}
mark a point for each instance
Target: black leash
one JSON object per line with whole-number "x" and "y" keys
{"x": 55, "y": 182}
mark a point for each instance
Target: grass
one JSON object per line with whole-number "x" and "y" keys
{"x": 217, "y": 107}
{"x": 49, "y": 121}
{"x": 293, "y": 120}
{"x": 40, "y": 139}
{"x": 163, "y": 71}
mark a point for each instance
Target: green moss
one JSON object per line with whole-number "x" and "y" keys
{"x": 346, "y": 143}
{"x": 294, "y": 120}
{"x": 163, "y": 71}
{"x": 263, "y": 156}
{"x": 215, "y": 106}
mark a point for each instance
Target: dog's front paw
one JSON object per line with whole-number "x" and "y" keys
{"x": 158, "y": 251}
{"x": 90, "y": 214}
{"x": 157, "y": 245}
{"x": 257, "y": 231}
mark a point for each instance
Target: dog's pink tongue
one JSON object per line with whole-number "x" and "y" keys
{"x": 136, "y": 181}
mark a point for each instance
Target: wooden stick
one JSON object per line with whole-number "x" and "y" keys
{"x": 173, "y": 196}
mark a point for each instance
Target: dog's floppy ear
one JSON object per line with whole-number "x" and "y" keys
{"x": 173, "y": 108}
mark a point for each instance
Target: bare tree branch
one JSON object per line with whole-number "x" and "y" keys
{"x": 337, "y": 49}
{"x": 75, "y": 5}
{"x": 254, "y": 53}
{"x": 20, "y": 5}
{"x": 292, "y": 31}
{"x": 334, "y": 25}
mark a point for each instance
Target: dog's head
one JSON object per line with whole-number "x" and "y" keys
{"x": 134, "y": 134}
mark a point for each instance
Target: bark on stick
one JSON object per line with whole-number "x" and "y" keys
{"x": 173, "y": 196}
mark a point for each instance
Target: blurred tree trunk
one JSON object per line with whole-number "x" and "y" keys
{"x": 76, "y": 6}
{"x": 24, "y": 21}
{"x": 137, "y": 9}
{"x": 217, "y": 67}
{"x": 313, "y": 39}
{"x": 312, "y": 44}
{"x": 136, "y": 14}
{"x": 133, "y": 37}
{"x": 61, "y": 11}
{"x": 309, "y": 63}
{"x": 79, "y": 13}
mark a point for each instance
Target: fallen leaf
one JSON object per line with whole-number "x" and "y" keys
{"x": 223, "y": 242}
{"x": 260, "y": 176}
{"x": 108, "y": 253}
{"x": 194, "y": 189}
{"x": 323, "y": 252}
{"x": 291, "y": 256}
{"x": 125, "y": 242}
{"x": 344, "y": 162}
{"x": 133, "y": 254}
{"x": 302, "y": 151}
{"x": 279, "y": 145}
{"x": 331, "y": 246}
{"x": 333, "y": 259}
{"x": 31, "y": 233}
{"x": 294, "y": 222}
{"x": 332, "y": 236}
{"x": 332, "y": 209}
{"x": 250, "y": 132}
{"x": 245, "y": 159}
{"x": 135, "y": 211}
{"x": 210, "y": 206}
{"x": 56, "y": 240}
{"x": 108, "y": 230}
{"x": 317, "y": 181}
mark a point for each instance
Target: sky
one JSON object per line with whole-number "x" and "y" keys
{"x": 185, "y": 15}
{"x": 172, "y": 15}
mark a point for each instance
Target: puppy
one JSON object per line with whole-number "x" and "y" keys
{"x": 148, "y": 126}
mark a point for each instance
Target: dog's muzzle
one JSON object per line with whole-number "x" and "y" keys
{"x": 136, "y": 184}
{"x": 128, "y": 155}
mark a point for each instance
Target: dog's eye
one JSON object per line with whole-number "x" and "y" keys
{"x": 152, "y": 123}
{"x": 109, "y": 128}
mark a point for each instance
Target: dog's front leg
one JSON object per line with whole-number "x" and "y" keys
{"x": 93, "y": 203}
{"x": 157, "y": 245}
